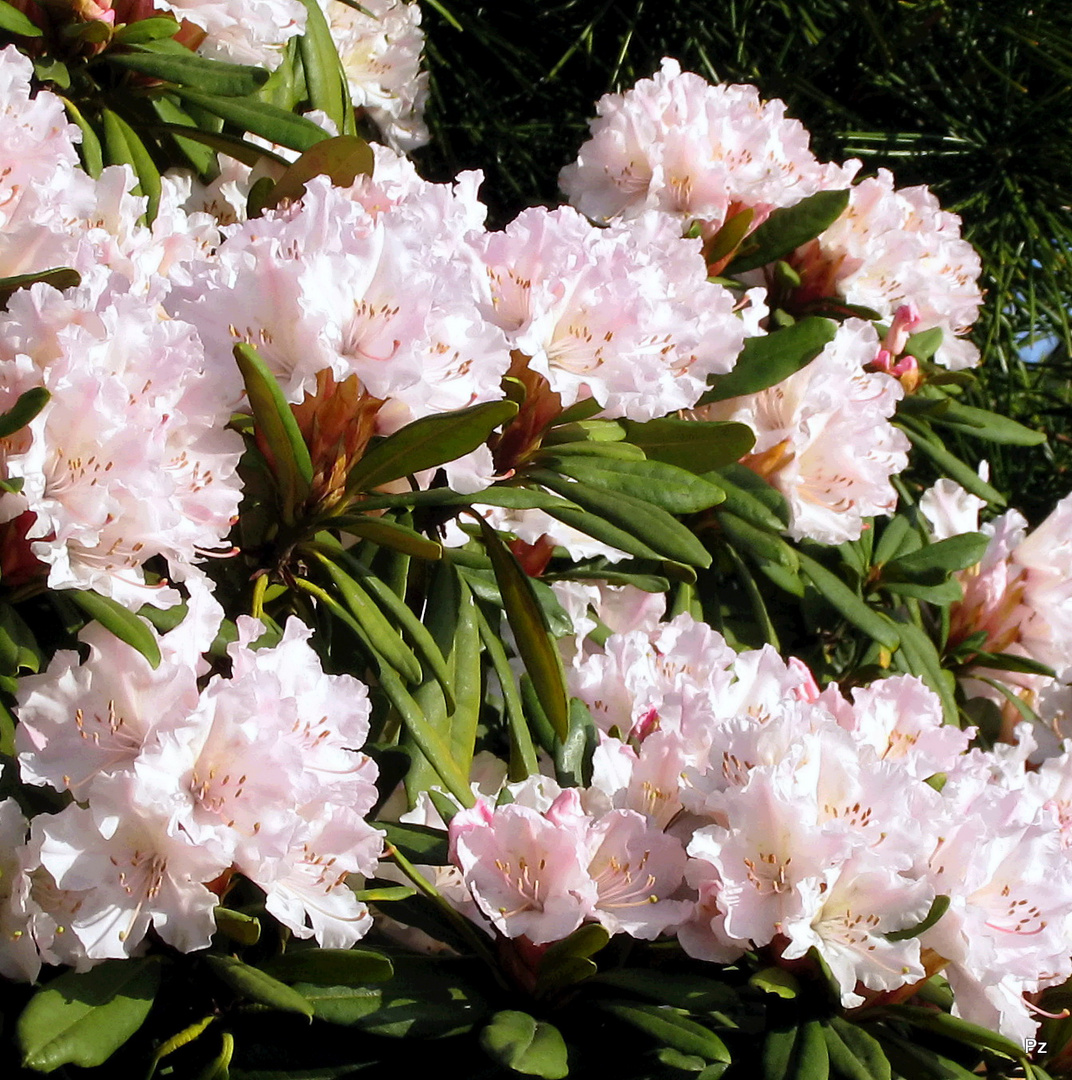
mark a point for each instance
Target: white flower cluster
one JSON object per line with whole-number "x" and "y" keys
{"x": 679, "y": 146}
{"x": 177, "y": 788}
{"x": 736, "y": 806}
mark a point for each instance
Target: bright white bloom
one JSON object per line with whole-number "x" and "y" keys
{"x": 624, "y": 316}
{"x": 893, "y": 247}
{"x": 380, "y": 48}
{"x": 676, "y": 144}
{"x": 823, "y": 437}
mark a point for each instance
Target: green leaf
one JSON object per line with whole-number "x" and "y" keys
{"x": 776, "y": 980}
{"x": 573, "y": 755}
{"x": 249, "y": 114}
{"x": 1010, "y": 662}
{"x": 29, "y": 404}
{"x": 750, "y": 497}
{"x": 201, "y": 157}
{"x": 696, "y": 445}
{"x": 291, "y": 464}
{"x": 920, "y": 1063}
{"x": 7, "y": 731}
{"x": 342, "y": 159}
{"x": 15, "y": 22}
{"x": 941, "y": 558}
{"x": 429, "y": 442}
{"x": 600, "y": 529}
{"x": 729, "y": 237}
{"x": 984, "y": 424}
{"x": 320, "y": 64}
{"x": 515, "y": 498}
{"x": 848, "y": 604}
{"x": 898, "y": 538}
{"x": 952, "y": 1027}
{"x": 245, "y": 929}
{"x": 420, "y": 844}
{"x": 123, "y": 146}
{"x": 758, "y": 544}
{"x": 768, "y": 360}
{"x": 938, "y": 908}
{"x": 82, "y": 1018}
{"x": 788, "y": 228}
{"x": 376, "y": 627}
{"x": 248, "y": 153}
{"x": 90, "y": 148}
{"x": 928, "y": 444}
{"x": 670, "y": 1028}
{"x": 538, "y": 651}
{"x": 392, "y": 534}
{"x": 117, "y": 620}
{"x": 796, "y": 1053}
{"x": 330, "y": 967}
{"x": 921, "y": 658}
{"x": 189, "y": 69}
{"x": 254, "y": 985}
{"x": 924, "y": 344}
{"x": 526, "y": 1045}
{"x": 693, "y": 993}
{"x": 854, "y": 1055}
{"x": 672, "y": 489}
{"x": 652, "y": 526}
{"x": 153, "y": 29}
{"x": 61, "y": 277}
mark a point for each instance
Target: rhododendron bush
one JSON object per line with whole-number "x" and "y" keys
{"x": 575, "y": 646}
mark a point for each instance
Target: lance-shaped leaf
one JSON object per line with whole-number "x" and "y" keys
{"x": 429, "y": 442}
{"x": 670, "y": 1028}
{"x": 788, "y": 228}
{"x": 255, "y": 985}
{"x": 744, "y": 488}
{"x": 320, "y": 64}
{"x": 920, "y": 1062}
{"x": 953, "y": 1027}
{"x": 898, "y": 538}
{"x": 238, "y": 926}
{"x": 154, "y": 29}
{"x": 123, "y": 146}
{"x": 931, "y": 563}
{"x": 924, "y": 344}
{"x": 726, "y": 241}
{"x": 928, "y": 444}
{"x": 693, "y": 993}
{"x": 118, "y": 620}
{"x": 420, "y": 844}
{"x": 523, "y": 761}
{"x": 467, "y": 682}
{"x": 250, "y": 114}
{"x": 59, "y": 277}
{"x": 854, "y": 1055}
{"x": 29, "y": 403}
{"x": 652, "y": 526}
{"x": 200, "y": 156}
{"x": 375, "y": 625}
{"x": 515, "y": 498}
{"x": 755, "y": 600}
{"x": 343, "y": 159}
{"x": 15, "y": 22}
{"x": 796, "y": 1053}
{"x": 696, "y": 445}
{"x": 539, "y": 653}
{"x": 89, "y": 149}
{"x": 330, "y": 967}
{"x": 291, "y": 464}
{"x": 241, "y": 150}
{"x": 396, "y": 609}
{"x": 917, "y": 655}
{"x": 675, "y": 490}
{"x": 1011, "y": 662}
{"x": 573, "y": 754}
{"x": 188, "y": 69}
{"x": 768, "y": 360}
{"x": 939, "y": 906}
{"x": 759, "y": 544}
{"x": 984, "y": 424}
{"x": 392, "y": 534}
{"x": 847, "y": 603}
{"x": 526, "y": 1045}
{"x": 82, "y": 1018}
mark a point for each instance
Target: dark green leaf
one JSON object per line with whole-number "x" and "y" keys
{"x": 61, "y": 277}
{"x": 153, "y": 29}
{"x": 29, "y": 404}
{"x": 696, "y": 445}
{"x": 342, "y": 159}
{"x": 189, "y": 69}
{"x": 331, "y": 967}
{"x": 320, "y": 64}
{"x": 90, "y": 148}
{"x": 691, "y": 992}
{"x": 854, "y": 1055}
{"x": 924, "y": 344}
{"x": 516, "y": 498}
{"x": 420, "y": 844}
{"x": 201, "y": 157}
{"x": 245, "y": 929}
{"x": 898, "y": 538}
{"x": 241, "y": 150}
{"x": 757, "y": 543}
{"x": 391, "y": 534}
{"x": 291, "y": 464}
{"x": 526, "y": 1045}
{"x": 1011, "y": 662}
{"x": 991, "y": 426}
{"x": 788, "y": 228}
{"x": 254, "y": 985}
{"x": 670, "y": 1028}
{"x": 932, "y": 447}
{"x": 944, "y": 557}
{"x": 573, "y": 755}
{"x": 81, "y": 1018}
{"x": 672, "y": 489}
{"x": 776, "y": 980}
{"x": 653, "y": 527}
{"x": 123, "y": 146}
{"x": 768, "y": 360}
{"x": 15, "y": 22}
{"x": 750, "y": 497}
{"x": 796, "y": 1053}
{"x": 952, "y": 1027}
{"x": 118, "y": 620}
{"x": 428, "y": 442}
{"x": 920, "y": 657}
{"x": 729, "y": 237}
{"x": 249, "y": 114}
{"x": 920, "y": 1063}
{"x": 848, "y": 604}
{"x": 538, "y": 651}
